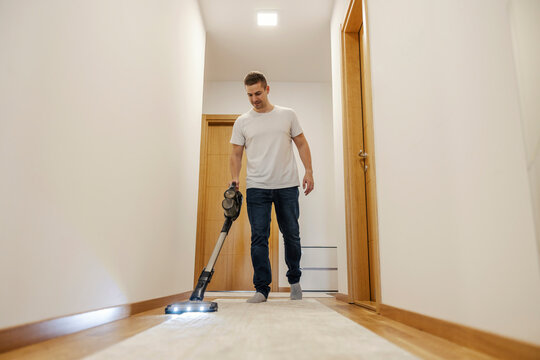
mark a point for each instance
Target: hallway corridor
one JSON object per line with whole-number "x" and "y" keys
{"x": 154, "y": 335}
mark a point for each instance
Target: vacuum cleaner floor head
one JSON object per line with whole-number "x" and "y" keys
{"x": 191, "y": 306}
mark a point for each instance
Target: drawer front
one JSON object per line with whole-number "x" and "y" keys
{"x": 321, "y": 280}
{"x": 319, "y": 268}
{"x": 319, "y": 257}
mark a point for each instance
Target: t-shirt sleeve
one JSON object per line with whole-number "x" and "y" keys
{"x": 296, "y": 129}
{"x": 237, "y": 136}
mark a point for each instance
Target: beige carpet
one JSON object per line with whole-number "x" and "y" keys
{"x": 278, "y": 329}
{"x": 305, "y": 294}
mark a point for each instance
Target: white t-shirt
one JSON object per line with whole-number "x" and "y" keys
{"x": 267, "y": 139}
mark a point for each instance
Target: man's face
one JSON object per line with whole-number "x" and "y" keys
{"x": 257, "y": 95}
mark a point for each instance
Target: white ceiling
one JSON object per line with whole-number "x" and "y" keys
{"x": 298, "y": 49}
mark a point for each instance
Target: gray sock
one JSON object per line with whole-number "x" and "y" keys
{"x": 296, "y": 291}
{"x": 257, "y": 298}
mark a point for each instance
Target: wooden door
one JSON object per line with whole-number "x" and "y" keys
{"x": 233, "y": 269}
{"x": 359, "y": 159}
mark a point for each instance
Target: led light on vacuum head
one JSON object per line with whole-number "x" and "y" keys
{"x": 191, "y": 306}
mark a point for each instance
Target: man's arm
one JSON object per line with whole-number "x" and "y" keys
{"x": 305, "y": 155}
{"x": 235, "y": 163}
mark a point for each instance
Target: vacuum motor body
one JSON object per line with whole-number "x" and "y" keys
{"x": 232, "y": 203}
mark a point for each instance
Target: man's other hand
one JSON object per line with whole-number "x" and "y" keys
{"x": 308, "y": 184}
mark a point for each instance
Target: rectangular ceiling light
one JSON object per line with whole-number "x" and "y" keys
{"x": 266, "y": 18}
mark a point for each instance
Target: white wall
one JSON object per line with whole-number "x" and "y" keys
{"x": 457, "y": 237}
{"x": 338, "y": 15}
{"x": 100, "y": 106}
{"x": 312, "y": 103}
{"x": 525, "y": 23}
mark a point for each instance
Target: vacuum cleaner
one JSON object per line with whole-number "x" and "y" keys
{"x": 232, "y": 203}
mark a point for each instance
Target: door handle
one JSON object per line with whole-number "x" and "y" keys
{"x": 363, "y": 156}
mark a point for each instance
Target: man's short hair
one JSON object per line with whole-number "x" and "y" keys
{"x": 255, "y": 77}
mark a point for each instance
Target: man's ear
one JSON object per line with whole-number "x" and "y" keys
{"x": 267, "y": 89}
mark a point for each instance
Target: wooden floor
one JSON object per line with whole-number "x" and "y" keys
{"x": 87, "y": 342}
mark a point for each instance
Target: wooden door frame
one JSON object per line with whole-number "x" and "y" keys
{"x": 209, "y": 120}
{"x": 356, "y": 65}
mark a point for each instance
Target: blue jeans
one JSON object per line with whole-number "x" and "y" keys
{"x": 259, "y": 207}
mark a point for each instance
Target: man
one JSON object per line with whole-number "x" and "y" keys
{"x": 267, "y": 132}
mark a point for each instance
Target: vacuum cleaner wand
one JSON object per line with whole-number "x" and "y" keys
{"x": 232, "y": 204}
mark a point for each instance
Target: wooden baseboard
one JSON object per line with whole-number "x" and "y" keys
{"x": 343, "y": 297}
{"x": 370, "y": 305}
{"x": 488, "y": 343}
{"x": 23, "y": 335}
{"x": 284, "y": 289}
